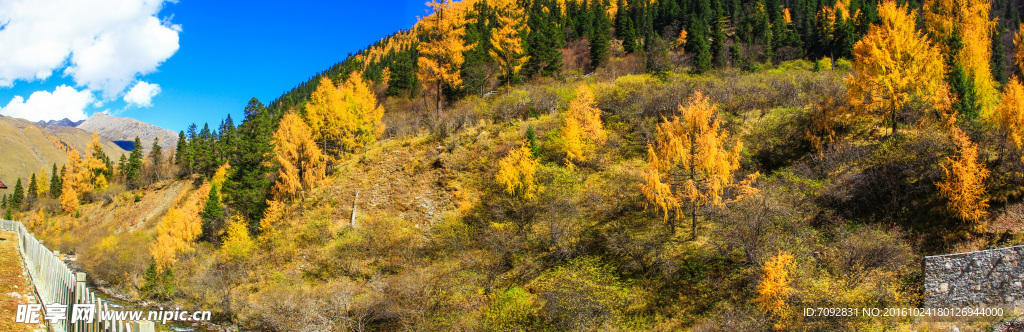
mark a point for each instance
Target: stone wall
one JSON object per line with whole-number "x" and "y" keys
{"x": 989, "y": 277}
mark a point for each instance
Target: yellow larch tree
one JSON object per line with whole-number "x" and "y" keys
{"x": 895, "y": 66}
{"x": 300, "y": 163}
{"x": 969, "y": 19}
{"x": 73, "y": 182}
{"x": 238, "y": 244}
{"x": 681, "y": 39}
{"x": 516, "y": 173}
{"x": 180, "y": 226}
{"x": 963, "y": 179}
{"x": 1018, "y": 47}
{"x": 582, "y": 129}
{"x": 95, "y": 166}
{"x": 442, "y": 44}
{"x": 507, "y": 38}
{"x": 775, "y": 289}
{"x": 1010, "y": 113}
{"x": 690, "y": 163}
{"x": 344, "y": 118}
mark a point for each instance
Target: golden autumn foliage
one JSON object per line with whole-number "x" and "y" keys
{"x": 73, "y": 183}
{"x": 894, "y": 66}
{"x": 774, "y": 289}
{"x": 690, "y": 163}
{"x": 174, "y": 236}
{"x": 441, "y": 47}
{"x": 507, "y": 38}
{"x": 238, "y": 245}
{"x": 1018, "y": 48}
{"x": 969, "y": 19}
{"x": 1010, "y": 113}
{"x": 344, "y": 118}
{"x": 681, "y": 39}
{"x": 516, "y": 173}
{"x": 963, "y": 178}
{"x": 180, "y": 226}
{"x": 300, "y": 163}
{"x": 582, "y": 129}
{"x": 93, "y": 164}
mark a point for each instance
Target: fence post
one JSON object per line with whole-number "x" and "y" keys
{"x": 143, "y": 326}
{"x": 78, "y": 294}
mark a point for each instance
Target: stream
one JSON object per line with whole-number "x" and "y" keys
{"x": 116, "y": 303}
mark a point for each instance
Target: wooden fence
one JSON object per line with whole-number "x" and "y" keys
{"x": 57, "y": 285}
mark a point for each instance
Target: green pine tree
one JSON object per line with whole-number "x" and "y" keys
{"x": 601, "y": 35}
{"x": 698, "y": 45}
{"x": 998, "y": 55}
{"x": 180, "y": 151}
{"x": 718, "y": 37}
{"x": 133, "y": 169}
{"x": 629, "y": 39}
{"x": 55, "y": 182}
{"x": 213, "y": 214}
{"x": 544, "y": 41}
{"x": 19, "y": 195}
{"x": 33, "y": 188}
{"x": 227, "y": 140}
{"x": 248, "y": 183}
{"x": 156, "y": 160}
{"x": 966, "y": 100}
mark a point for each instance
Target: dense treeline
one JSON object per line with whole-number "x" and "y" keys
{"x": 711, "y": 34}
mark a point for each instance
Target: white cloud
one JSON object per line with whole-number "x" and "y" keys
{"x": 142, "y": 94}
{"x": 101, "y": 44}
{"x": 64, "y": 102}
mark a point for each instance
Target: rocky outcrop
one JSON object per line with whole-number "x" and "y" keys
{"x": 126, "y": 129}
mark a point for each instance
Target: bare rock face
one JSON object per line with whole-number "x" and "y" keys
{"x": 124, "y": 130}
{"x": 65, "y": 122}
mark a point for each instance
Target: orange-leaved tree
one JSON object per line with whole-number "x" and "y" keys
{"x": 442, "y": 44}
{"x": 94, "y": 163}
{"x": 896, "y": 66}
{"x": 507, "y": 38}
{"x": 963, "y": 180}
{"x": 690, "y": 164}
{"x": 582, "y": 129}
{"x": 1010, "y": 113}
{"x": 344, "y": 118}
{"x": 300, "y": 162}
{"x": 1018, "y": 47}
{"x": 73, "y": 182}
{"x": 775, "y": 289}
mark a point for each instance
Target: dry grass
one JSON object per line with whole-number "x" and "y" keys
{"x": 14, "y": 285}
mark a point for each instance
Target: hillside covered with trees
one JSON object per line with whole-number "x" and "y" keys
{"x": 580, "y": 165}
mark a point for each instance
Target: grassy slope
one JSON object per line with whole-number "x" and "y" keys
{"x": 27, "y": 148}
{"x": 440, "y": 247}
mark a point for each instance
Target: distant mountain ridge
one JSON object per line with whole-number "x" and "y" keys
{"x": 32, "y": 147}
{"x": 122, "y": 131}
{"x": 65, "y": 122}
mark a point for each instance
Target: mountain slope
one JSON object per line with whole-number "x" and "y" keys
{"x": 30, "y": 148}
{"x": 120, "y": 129}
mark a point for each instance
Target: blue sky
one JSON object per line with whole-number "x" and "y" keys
{"x": 226, "y": 53}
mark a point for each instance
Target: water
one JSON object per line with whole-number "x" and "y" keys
{"x": 118, "y": 304}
